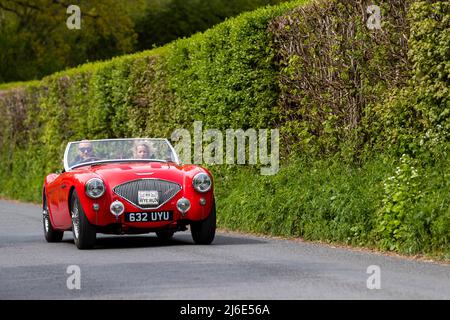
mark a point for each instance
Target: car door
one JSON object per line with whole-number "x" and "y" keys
{"x": 64, "y": 217}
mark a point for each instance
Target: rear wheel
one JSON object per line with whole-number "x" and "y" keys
{"x": 203, "y": 232}
{"x": 51, "y": 235}
{"x": 84, "y": 234}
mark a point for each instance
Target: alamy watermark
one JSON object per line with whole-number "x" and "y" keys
{"x": 74, "y": 20}
{"x": 74, "y": 280}
{"x": 374, "y": 281}
{"x": 374, "y": 20}
{"x": 234, "y": 146}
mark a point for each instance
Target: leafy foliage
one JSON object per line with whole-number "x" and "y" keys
{"x": 402, "y": 191}
{"x": 332, "y": 67}
{"x": 227, "y": 69}
{"x": 416, "y": 117}
{"x": 35, "y": 41}
{"x": 384, "y": 203}
{"x": 167, "y": 21}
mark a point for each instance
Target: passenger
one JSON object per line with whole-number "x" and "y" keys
{"x": 143, "y": 151}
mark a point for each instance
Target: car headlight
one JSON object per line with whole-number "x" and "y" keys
{"x": 202, "y": 182}
{"x": 95, "y": 188}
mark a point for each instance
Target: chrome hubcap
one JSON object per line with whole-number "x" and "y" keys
{"x": 46, "y": 222}
{"x": 75, "y": 221}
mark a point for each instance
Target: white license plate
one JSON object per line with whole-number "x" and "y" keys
{"x": 149, "y": 216}
{"x": 148, "y": 197}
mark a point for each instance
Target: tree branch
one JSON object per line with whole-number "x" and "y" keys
{"x": 2, "y": 6}
{"x": 24, "y": 4}
{"x": 34, "y": 7}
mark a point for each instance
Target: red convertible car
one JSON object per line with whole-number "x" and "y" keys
{"x": 127, "y": 186}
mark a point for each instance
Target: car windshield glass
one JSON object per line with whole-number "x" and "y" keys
{"x": 112, "y": 150}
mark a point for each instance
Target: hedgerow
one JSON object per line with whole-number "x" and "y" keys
{"x": 224, "y": 77}
{"x": 333, "y": 67}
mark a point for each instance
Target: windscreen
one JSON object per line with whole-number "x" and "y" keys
{"x": 95, "y": 151}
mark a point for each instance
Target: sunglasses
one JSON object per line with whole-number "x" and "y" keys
{"x": 85, "y": 149}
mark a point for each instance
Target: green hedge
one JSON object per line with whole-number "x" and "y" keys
{"x": 416, "y": 117}
{"x": 379, "y": 204}
{"x": 363, "y": 114}
{"x": 224, "y": 77}
{"x": 333, "y": 68}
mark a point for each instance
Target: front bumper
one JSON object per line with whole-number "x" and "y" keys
{"x": 99, "y": 214}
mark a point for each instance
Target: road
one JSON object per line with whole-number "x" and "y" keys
{"x": 235, "y": 266}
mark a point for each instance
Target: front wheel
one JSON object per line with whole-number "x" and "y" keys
{"x": 51, "y": 235}
{"x": 84, "y": 234}
{"x": 203, "y": 232}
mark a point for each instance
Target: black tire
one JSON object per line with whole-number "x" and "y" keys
{"x": 51, "y": 235}
{"x": 164, "y": 235}
{"x": 84, "y": 234}
{"x": 203, "y": 232}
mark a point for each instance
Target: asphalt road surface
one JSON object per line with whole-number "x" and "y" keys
{"x": 234, "y": 267}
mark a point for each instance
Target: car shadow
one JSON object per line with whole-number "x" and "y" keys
{"x": 142, "y": 241}
{"x": 225, "y": 240}
{"x": 148, "y": 241}
{"x": 123, "y": 242}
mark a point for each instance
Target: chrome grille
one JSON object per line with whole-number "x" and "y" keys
{"x": 129, "y": 191}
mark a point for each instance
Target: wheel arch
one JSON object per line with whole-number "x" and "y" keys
{"x": 44, "y": 197}
{"x": 69, "y": 200}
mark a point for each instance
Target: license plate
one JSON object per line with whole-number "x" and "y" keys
{"x": 149, "y": 216}
{"x": 148, "y": 197}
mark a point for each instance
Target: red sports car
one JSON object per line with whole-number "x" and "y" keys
{"x": 127, "y": 186}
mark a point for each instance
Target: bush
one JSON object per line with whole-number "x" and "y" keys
{"x": 384, "y": 204}
{"x": 401, "y": 193}
{"x": 415, "y": 119}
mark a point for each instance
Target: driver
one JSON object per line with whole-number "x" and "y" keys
{"x": 85, "y": 152}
